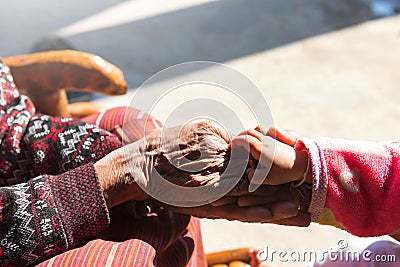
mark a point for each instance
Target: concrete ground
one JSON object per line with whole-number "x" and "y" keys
{"x": 321, "y": 76}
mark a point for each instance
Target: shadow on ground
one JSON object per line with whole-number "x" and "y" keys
{"x": 27, "y": 22}
{"x": 217, "y": 31}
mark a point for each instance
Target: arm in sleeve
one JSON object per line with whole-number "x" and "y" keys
{"x": 356, "y": 185}
{"x": 50, "y": 214}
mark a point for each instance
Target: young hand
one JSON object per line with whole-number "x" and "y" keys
{"x": 278, "y": 161}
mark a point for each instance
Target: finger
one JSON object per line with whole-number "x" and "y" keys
{"x": 262, "y": 197}
{"x": 258, "y": 176}
{"x": 224, "y": 201}
{"x": 249, "y": 143}
{"x": 259, "y": 129}
{"x": 287, "y": 137}
{"x": 246, "y": 201}
{"x": 231, "y": 212}
{"x": 283, "y": 215}
{"x": 283, "y": 210}
{"x": 243, "y": 133}
{"x": 303, "y": 219}
{"x": 200, "y": 212}
{"x": 242, "y": 189}
{"x": 251, "y": 214}
{"x": 257, "y": 134}
{"x": 252, "y": 132}
{"x": 266, "y": 159}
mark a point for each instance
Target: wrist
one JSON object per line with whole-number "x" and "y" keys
{"x": 116, "y": 180}
{"x": 301, "y": 167}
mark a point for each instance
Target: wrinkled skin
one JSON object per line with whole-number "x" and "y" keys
{"x": 198, "y": 157}
{"x": 190, "y": 156}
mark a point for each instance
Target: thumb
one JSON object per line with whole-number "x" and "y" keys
{"x": 251, "y": 144}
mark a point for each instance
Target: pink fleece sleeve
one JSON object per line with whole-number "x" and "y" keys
{"x": 359, "y": 182}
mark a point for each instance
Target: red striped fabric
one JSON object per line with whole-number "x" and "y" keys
{"x": 129, "y": 124}
{"x": 163, "y": 238}
{"x": 160, "y": 243}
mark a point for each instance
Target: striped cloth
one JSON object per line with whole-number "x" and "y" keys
{"x": 162, "y": 238}
{"x": 129, "y": 124}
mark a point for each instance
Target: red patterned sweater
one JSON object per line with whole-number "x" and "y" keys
{"x": 50, "y": 198}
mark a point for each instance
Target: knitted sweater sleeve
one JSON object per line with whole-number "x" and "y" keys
{"x": 50, "y": 214}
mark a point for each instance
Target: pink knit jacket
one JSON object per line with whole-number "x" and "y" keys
{"x": 356, "y": 184}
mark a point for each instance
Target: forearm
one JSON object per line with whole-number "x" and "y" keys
{"x": 50, "y": 214}
{"x": 357, "y": 182}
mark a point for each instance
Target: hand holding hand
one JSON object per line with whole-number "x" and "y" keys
{"x": 268, "y": 204}
{"x": 193, "y": 155}
{"x": 273, "y": 149}
{"x": 285, "y": 204}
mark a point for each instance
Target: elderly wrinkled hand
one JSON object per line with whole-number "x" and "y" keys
{"x": 192, "y": 155}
